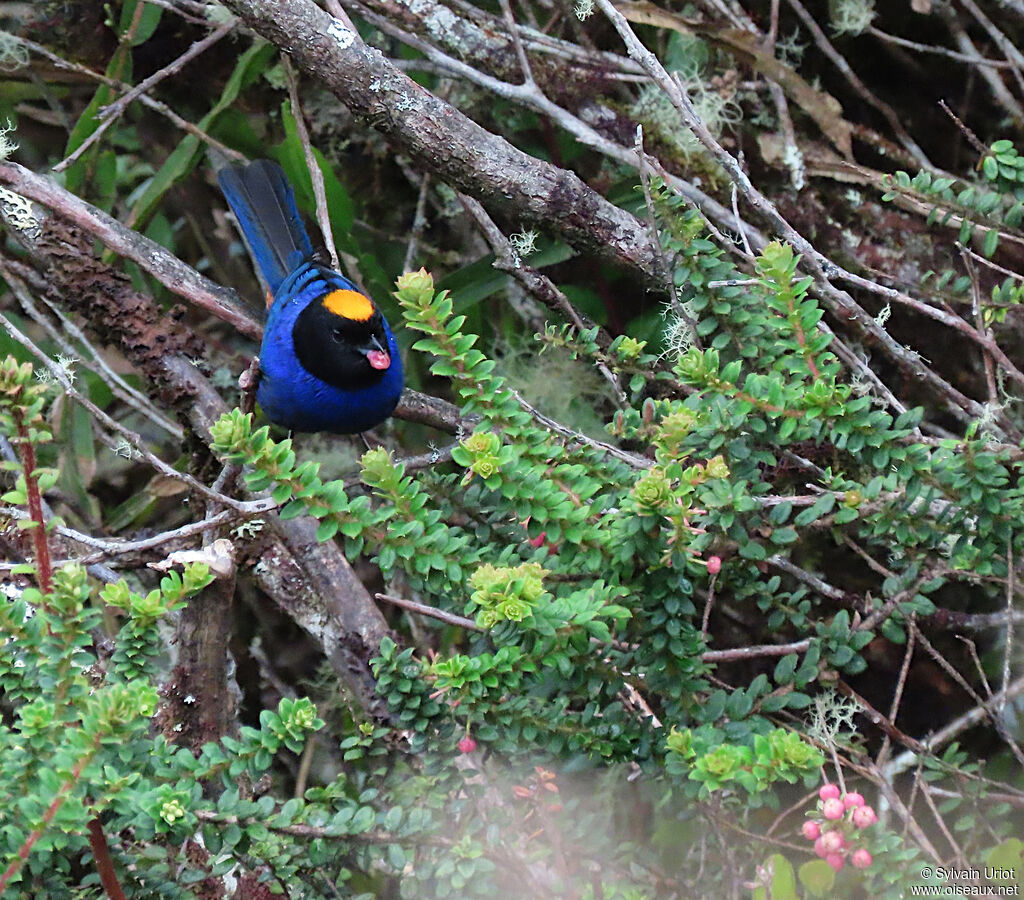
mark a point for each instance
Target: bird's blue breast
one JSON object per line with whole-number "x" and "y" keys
{"x": 293, "y": 397}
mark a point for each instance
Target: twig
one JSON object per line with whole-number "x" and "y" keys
{"x": 812, "y": 581}
{"x": 717, "y": 656}
{"x": 1013, "y": 55}
{"x": 837, "y": 59}
{"x": 305, "y": 765}
{"x": 196, "y": 17}
{"x": 980, "y": 327}
{"x": 773, "y": 27}
{"x": 107, "y": 547}
{"x": 972, "y": 648}
{"x": 954, "y": 620}
{"x": 96, "y": 362}
{"x": 734, "y": 202}
{"x": 821, "y": 268}
{"x": 990, "y": 707}
{"x": 432, "y": 611}
{"x": 167, "y": 269}
{"x": 978, "y": 258}
{"x": 323, "y": 215}
{"x": 897, "y": 696}
{"x": 937, "y": 816}
{"x": 708, "y": 606}
{"x": 110, "y": 114}
{"x": 144, "y": 99}
{"x": 134, "y": 440}
{"x": 941, "y": 51}
{"x": 1008, "y": 639}
{"x": 1000, "y": 91}
{"x": 537, "y": 283}
{"x": 419, "y": 222}
{"x": 524, "y": 62}
{"x": 631, "y": 459}
{"x": 971, "y": 137}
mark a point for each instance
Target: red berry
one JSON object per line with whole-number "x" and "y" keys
{"x": 833, "y": 809}
{"x": 829, "y": 792}
{"x": 861, "y": 859}
{"x": 467, "y": 745}
{"x": 714, "y": 565}
{"x": 853, "y": 800}
{"x": 835, "y": 860}
{"x": 863, "y": 816}
{"x": 832, "y": 841}
{"x": 811, "y": 831}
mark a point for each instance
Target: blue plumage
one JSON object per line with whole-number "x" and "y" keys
{"x": 328, "y": 361}
{"x": 264, "y": 204}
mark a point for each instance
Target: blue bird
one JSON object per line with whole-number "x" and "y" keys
{"x": 328, "y": 361}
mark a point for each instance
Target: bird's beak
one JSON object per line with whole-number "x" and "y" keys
{"x": 378, "y": 357}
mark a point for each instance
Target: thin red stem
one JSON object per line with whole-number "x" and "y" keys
{"x": 104, "y": 863}
{"x": 44, "y": 568}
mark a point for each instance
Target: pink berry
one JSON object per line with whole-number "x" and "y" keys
{"x": 853, "y": 800}
{"x": 833, "y": 809}
{"x": 829, "y": 792}
{"x": 819, "y": 847}
{"x": 835, "y": 860}
{"x": 714, "y": 565}
{"x": 861, "y": 859}
{"x": 811, "y": 831}
{"x": 467, "y": 745}
{"x": 864, "y": 816}
{"x": 833, "y": 841}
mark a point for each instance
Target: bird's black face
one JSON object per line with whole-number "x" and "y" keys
{"x": 340, "y": 339}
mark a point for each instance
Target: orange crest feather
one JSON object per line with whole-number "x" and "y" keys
{"x": 349, "y": 305}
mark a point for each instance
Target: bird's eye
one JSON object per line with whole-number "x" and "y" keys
{"x": 337, "y": 334}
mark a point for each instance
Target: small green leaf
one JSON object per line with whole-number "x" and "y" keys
{"x": 991, "y": 242}
{"x": 818, "y": 877}
{"x": 327, "y": 530}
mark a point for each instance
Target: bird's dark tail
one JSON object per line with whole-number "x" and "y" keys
{"x": 264, "y": 205}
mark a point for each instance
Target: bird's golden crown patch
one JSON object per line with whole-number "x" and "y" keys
{"x": 349, "y": 305}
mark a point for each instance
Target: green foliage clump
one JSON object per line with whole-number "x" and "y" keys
{"x": 584, "y": 559}
{"x": 779, "y": 755}
{"x": 586, "y": 567}
{"x": 670, "y": 572}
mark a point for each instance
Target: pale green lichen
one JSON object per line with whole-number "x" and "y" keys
{"x": 19, "y": 212}
{"x": 524, "y": 243}
{"x": 583, "y": 9}
{"x": 659, "y": 115}
{"x": 851, "y": 17}
{"x": 679, "y": 333}
{"x": 13, "y": 53}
